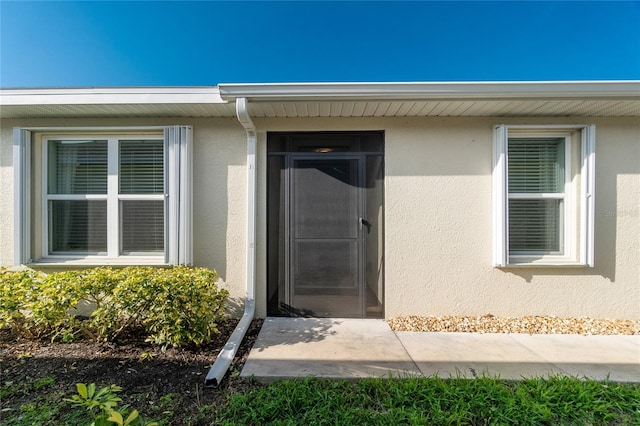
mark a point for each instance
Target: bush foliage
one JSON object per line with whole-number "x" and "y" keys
{"x": 174, "y": 306}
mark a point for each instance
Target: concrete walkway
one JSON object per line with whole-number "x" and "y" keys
{"x": 355, "y": 348}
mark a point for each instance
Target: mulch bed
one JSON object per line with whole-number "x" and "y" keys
{"x": 135, "y": 365}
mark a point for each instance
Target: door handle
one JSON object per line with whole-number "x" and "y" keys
{"x": 366, "y": 223}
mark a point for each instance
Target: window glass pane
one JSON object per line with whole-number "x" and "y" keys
{"x": 78, "y": 226}
{"x": 535, "y": 226}
{"x": 141, "y": 167}
{"x": 77, "y": 167}
{"x": 536, "y": 165}
{"x": 142, "y": 226}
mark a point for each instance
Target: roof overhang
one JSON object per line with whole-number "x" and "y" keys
{"x": 114, "y": 102}
{"x": 434, "y": 91}
{"x": 289, "y": 100}
{"x": 440, "y": 99}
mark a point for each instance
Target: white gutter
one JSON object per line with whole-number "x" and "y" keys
{"x": 622, "y": 89}
{"x": 110, "y": 96}
{"x": 225, "y": 357}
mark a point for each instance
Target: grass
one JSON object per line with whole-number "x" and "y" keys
{"x": 412, "y": 401}
{"x": 435, "y": 401}
{"x": 34, "y": 402}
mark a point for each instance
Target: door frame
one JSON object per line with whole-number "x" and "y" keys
{"x": 283, "y": 149}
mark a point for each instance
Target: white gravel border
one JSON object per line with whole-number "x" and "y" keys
{"x": 524, "y": 325}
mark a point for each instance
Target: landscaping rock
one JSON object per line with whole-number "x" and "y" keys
{"x": 527, "y": 325}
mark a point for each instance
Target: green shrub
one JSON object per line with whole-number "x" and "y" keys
{"x": 49, "y": 309}
{"x": 174, "y": 306}
{"x": 16, "y": 289}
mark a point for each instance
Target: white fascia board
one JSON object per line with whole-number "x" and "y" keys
{"x": 111, "y": 96}
{"x": 434, "y": 90}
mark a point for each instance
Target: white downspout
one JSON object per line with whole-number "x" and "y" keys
{"x": 225, "y": 357}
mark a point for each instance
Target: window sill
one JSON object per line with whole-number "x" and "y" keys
{"x": 546, "y": 263}
{"x": 98, "y": 261}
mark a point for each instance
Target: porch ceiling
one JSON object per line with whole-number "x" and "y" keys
{"x": 447, "y": 108}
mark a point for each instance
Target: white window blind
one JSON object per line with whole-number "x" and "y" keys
{"x": 535, "y": 226}
{"x": 536, "y": 179}
{"x": 536, "y": 165}
{"x": 141, "y": 167}
{"x": 142, "y": 226}
{"x": 77, "y": 167}
{"x": 78, "y": 226}
{"x": 141, "y": 172}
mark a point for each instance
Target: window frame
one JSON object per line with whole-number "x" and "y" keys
{"x": 578, "y": 214}
{"x": 566, "y": 197}
{"x": 30, "y": 191}
{"x": 113, "y": 197}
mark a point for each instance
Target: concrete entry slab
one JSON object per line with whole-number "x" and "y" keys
{"x": 514, "y": 356}
{"x": 471, "y": 355}
{"x": 327, "y": 347}
{"x": 597, "y": 357}
{"x": 359, "y": 348}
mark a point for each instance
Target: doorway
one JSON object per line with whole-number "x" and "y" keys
{"x": 324, "y": 220}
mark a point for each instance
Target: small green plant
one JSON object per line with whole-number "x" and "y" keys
{"x": 103, "y": 405}
{"x": 146, "y": 356}
{"x": 43, "y": 382}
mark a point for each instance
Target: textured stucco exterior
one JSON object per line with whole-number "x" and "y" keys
{"x": 438, "y": 214}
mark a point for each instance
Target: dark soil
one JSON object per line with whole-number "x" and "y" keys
{"x": 145, "y": 372}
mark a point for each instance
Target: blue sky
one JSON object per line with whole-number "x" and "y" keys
{"x": 161, "y": 43}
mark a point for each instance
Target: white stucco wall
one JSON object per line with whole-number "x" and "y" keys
{"x": 6, "y": 193}
{"x": 437, "y": 215}
{"x": 440, "y": 177}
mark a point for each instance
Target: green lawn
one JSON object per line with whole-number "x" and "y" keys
{"x": 426, "y": 401}
{"x": 434, "y": 401}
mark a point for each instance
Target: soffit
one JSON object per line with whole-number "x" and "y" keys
{"x": 447, "y": 108}
{"x": 439, "y": 99}
{"x": 118, "y": 110}
{"x": 291, "y": 109}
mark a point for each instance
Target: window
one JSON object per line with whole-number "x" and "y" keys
{"x": 100, "y": 197}
{"x": 543, "y": 195}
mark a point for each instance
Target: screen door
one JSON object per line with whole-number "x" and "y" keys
{"x": 325, "y": 238}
